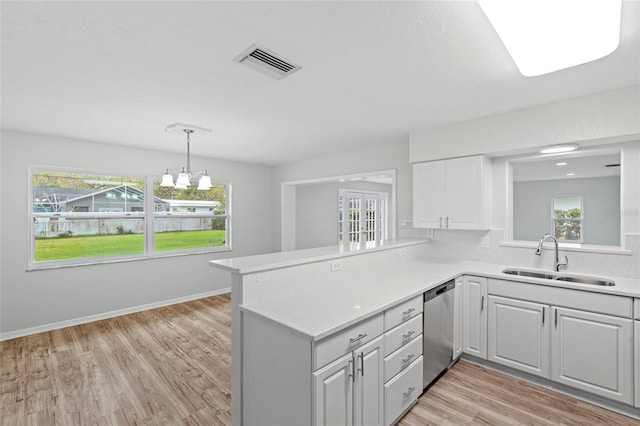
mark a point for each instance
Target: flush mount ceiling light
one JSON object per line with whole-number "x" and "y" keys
{"x": 543, "y": 36}
{"x": 557, "y": 149}
{"x": 183, "y": 180}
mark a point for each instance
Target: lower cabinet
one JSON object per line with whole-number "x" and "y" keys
{"x": 458, "y": 318}
{"x": 585, "y": 350}
{"x": 349, "y": 391}
{"x": 593, "y": 352}
{"x": 401, "y": 392}
{"x": 475, "y": 316}
{"x": 518, "y": 335}
{"x": 637, "y": 359}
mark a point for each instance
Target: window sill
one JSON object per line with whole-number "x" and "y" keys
{"x": 105, "y": 261}
{"x": 583, "y": 248}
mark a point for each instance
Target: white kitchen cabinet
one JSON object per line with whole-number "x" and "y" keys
{"x": 637, "y": 361}
{"x": 334, "y": 393}
{"x": 637, "y": 350}
{"x": 518, "y": 334}
{"x": 453, "y": 193}
{"x": 349, "y": 391}
{"x": 475, "y": 316}
{"x": 593, "y": 352}
{"x": 458, "y": 318}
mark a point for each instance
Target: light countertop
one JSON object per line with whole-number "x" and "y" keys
{"x": 321, "y": 309}
{"x": 284, "y": 259}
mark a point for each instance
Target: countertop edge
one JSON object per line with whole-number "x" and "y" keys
{"x": 270, "y": 261}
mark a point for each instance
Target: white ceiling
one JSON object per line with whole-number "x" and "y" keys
{"x": 120, "y": 72}
{"x": 582, "y": 164}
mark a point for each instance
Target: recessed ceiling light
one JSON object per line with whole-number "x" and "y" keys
{"x": 561, "y": 164}
{"x": 556, "y": 149}
{"x": 544, "y": 36}
{"x": 571, "y": 174}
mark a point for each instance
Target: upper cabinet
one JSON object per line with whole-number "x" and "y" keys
{"x": 453, "y": 193}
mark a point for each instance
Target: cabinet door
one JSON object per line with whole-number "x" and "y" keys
{"x": 333, "y": 397}
{"x": 518, "y": 335}
{"x": 464, "y": 193}
{"x": 475, "y": 316}
{"x": 428, "y": 194}
{"x": 637, "y": 362}
{"x": 593, "y": 352}
{"x": 368, "y": 401}
{"x": 458, "y": 318}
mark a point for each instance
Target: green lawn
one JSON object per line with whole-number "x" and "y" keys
{"x": 122, "y": 244}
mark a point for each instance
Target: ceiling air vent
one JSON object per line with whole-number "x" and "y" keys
{"x": 266, "y": 62}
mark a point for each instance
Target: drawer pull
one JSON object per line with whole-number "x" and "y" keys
{"x": 357, "y": 339}
{"x": 408, "y": 392}
{"x": 407, "y": 360}
{"x": 408, "y": 312}
{"x": 408, "y": 335}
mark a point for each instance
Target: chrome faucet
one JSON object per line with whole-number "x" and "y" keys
{"x": 557, "y": 264}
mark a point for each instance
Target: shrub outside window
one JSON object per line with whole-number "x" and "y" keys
{"x": 80, "y": 217}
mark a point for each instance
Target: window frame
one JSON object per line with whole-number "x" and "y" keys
{"x": 580, "y": 220}
{"x": 148, "y": 217}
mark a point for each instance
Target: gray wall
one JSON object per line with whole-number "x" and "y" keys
{"x": 317, "y": 211}
{"x": 39, "y": 298}
{"x": 532, "y": 208}
{"x": 394, "y": 155}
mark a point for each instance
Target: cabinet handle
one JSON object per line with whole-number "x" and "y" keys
{"x": 446, "y": 222}
{"x": 351, "y": 372}
{"x": 407, "y": 360}
{"x": 543, "y": 315}
{"x": 357, "y": 339}
{"x": 440, "y": 221}
{"x": 361, "y": 356}
{"x": 556, "y": 321}
{"x": 408, "y": 392}
{"x": 482, "y": 304}
{"x": 409, "y": 334}
{"x": 408, "y": 312}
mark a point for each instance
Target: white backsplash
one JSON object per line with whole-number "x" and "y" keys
{"x": 466, "y": 245}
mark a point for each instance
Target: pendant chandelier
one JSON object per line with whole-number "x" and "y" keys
{"x": 184, "y": 177}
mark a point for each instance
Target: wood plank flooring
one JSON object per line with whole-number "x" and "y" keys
{"x": 171, "y": 366}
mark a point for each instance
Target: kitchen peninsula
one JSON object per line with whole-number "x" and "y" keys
{"x": 291, "y": 309}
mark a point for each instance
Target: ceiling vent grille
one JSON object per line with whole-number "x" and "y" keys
{"x": 266, "y": 62}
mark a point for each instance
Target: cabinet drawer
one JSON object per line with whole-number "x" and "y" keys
{"x": 402, "y": 334}
{"x": 347, "y": 340}
{"x": 402, "y": 392}
{"x": 403, "y": 312}
{"x": 402, "y": 358}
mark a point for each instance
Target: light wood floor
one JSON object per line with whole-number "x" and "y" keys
{"x": 171, "y": 366}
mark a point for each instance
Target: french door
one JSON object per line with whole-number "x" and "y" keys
{"x": 362, "y": 217}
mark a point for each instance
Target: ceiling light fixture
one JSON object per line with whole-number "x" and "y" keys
{"x": 561, "y": 164}
{"x": 557, "y": 149}
{"x": 544, "y": 36}
{"x": 183, "y": 180}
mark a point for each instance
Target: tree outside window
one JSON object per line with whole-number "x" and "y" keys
{"x": 567, "y": 219}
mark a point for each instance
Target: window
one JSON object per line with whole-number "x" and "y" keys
{"x": 85, "y": 217}
{"x": 361, "y": 217}
{"x": 567, "y": 219}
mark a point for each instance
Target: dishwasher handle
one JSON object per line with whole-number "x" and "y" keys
{"x": 439, "y": 290}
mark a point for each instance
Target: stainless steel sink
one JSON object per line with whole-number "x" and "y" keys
{"x": 559, "y": 277}
{"x": 585, "y": 280}
{"x": 532, "y": 274}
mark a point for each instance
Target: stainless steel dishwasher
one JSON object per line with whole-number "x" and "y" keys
{"x": 438, "y": 331}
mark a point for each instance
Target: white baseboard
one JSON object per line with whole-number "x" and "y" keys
{"x": 106, "y": 315}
